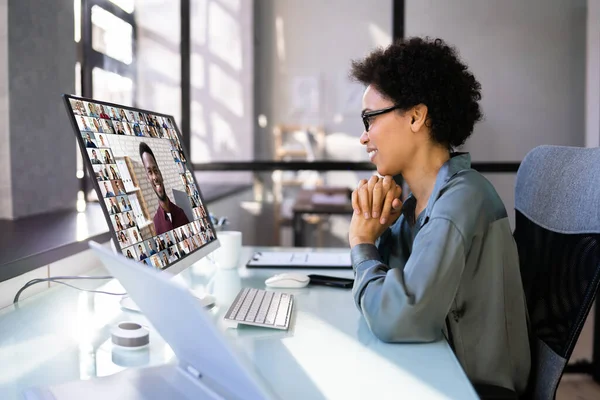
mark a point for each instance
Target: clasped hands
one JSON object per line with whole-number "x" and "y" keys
{"x": 377, "y": 206}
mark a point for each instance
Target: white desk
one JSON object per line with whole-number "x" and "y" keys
{"x": 329, "y": 353}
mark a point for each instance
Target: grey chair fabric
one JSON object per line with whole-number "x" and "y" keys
{"x": 557, "y": 206}
{"x": 558, "y": 188}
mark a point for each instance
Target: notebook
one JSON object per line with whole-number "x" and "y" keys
{"x": 300, "y": 259}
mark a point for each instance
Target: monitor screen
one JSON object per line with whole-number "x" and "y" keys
{"x": 142, "y": 177}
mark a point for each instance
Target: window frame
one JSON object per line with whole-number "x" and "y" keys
{"x": 89, "y": 58}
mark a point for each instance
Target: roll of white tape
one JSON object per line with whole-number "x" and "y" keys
{"x": 130, "y": 335}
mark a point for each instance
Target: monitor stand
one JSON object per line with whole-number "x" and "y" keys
{"x": 206, "y": 300}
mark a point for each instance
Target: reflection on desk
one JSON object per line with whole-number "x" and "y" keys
{"x": 62, "y": 335}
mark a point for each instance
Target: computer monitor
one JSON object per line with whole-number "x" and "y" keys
{"x": 144, "y": 182}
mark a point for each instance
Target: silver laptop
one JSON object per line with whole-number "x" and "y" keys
{"x": 208, "y": 367}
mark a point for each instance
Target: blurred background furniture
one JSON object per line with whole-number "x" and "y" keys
{"x": 296, "y": 143}
{"x": 320, "y": 203}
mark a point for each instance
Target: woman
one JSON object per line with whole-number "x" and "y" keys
{"x": 118, "y": 223}
{"x": 103, "y": 113}
{"x": 444, "y": 262}
{"x": 130, "y": 222}
{"x": 107, "y": 158}
{"x": 120, "y": 190}
{"x": 123, "y": 239}
{"x": 128, "y": 130}
{"x": 102, "y": 142}
{"x": 97, "y": 126}
{"x": 123, "y": 116}
{"x": 108, "y": 128}
{"x": 114, "y": 173}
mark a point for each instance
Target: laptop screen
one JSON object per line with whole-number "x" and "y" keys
{"x": 143, "y": 180}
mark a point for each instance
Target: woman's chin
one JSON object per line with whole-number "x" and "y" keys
{"x": 382, "y": 170}
{"x": 385, "y": 170}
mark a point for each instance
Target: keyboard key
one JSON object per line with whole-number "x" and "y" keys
{"x": 272, "y": 313}
{"x": 282, "y": 311}
{"x": 262, "y": 313}
{"x": 241, "y": 315}
{"x": 236, "y": 304}
{"x": 255, "y": 306}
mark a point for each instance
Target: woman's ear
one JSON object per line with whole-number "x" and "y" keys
{"x": 418, "y": 117}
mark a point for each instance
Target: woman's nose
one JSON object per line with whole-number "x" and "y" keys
{"x": 364, "y": 138}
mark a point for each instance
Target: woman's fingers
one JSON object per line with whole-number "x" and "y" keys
{"x": 355, "y": 201}
{"x": 392, "y": 204}
{"x": 377, "y": 199}
{"x": 364, "y": 199}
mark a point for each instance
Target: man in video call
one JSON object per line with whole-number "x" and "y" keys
{"x": 114, "y": 208}
{"x": 143, "y": 255}
{"x": 95, "y": 159}
{"x": 168, "y": 216}
{"x": 109, "y": 193}
{"x": 151, "y": 251}
{"x": 89, "y": 143}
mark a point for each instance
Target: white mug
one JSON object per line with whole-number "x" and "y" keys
{"x": 228, "y": 255}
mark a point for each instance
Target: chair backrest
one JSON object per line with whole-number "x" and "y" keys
{"x": 557, "y": 206}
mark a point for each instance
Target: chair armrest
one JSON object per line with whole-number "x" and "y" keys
{"x": 492, "y": 392}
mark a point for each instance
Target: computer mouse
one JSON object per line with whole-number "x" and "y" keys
{"x": 288, "y": 280}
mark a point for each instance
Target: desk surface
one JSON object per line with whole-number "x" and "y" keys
{"x": 62, "y": 335}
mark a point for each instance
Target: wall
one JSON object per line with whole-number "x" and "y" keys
{"x": 221, "y": 76}
{"x": 5, "y": 184}
{"x": 222, "y": 85}
{"x": 41, "y": 65}
{"x": 158, "y": 57}
{"x": 530, "y": 59}
{"x": 592, "y": 118}
{"x": 303, "y": 53}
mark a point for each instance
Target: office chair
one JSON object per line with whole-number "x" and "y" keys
{"x": 557, "y": 209}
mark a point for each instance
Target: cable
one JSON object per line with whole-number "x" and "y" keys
{"x": 56, "y": 280}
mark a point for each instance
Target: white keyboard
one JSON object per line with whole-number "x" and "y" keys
{"x": 261, "y": 308}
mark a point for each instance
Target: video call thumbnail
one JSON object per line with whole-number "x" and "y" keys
{"x": 153, "y": 204}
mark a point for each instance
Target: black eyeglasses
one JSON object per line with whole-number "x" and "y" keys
{"x": 366, "y": 116}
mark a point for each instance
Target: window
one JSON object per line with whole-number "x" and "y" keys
{"x": 105, "y": 33}
{"x": 112, "y": 87}
{"x": 126, "y": 5}
{"x": 111, "y": 35}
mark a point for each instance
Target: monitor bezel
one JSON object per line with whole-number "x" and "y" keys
{"x": 192, "y": 257}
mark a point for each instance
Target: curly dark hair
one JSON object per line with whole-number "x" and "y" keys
{"x": 425, "y": 71}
